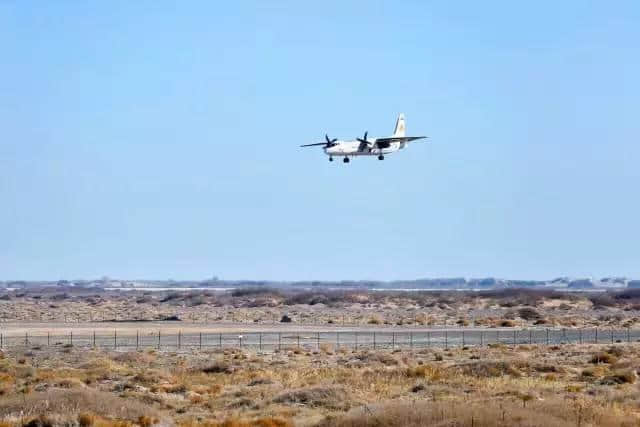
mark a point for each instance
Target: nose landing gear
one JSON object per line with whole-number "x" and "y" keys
{"x": 345, "y": 160}
{"x": 330, "y": 159}
{"x": 380, "y": 157}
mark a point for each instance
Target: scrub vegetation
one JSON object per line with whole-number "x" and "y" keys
{"x": 268, "y": 306}
{"x": 496, "y": 385}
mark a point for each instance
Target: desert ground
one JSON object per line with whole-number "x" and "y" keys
{"x": 495, "y": 384}
{"x": 475, "y": 386}
{"x": 262, "y": 307}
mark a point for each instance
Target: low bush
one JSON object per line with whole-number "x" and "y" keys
{"x": 604, "y": 357}
{"x": 326, "y": 397}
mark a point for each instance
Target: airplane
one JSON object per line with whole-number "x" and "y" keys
{"x": 367, "y": 147}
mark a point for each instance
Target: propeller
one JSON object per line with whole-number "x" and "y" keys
{"x": 329, "y": 143}
{"x": 363, "y": 141}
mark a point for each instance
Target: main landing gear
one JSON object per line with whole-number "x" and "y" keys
{"x": 380, "y": 157}
{"x": 330, "y": 159}
{"x": 345, "y": 160}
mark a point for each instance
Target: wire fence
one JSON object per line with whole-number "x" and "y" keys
{"x": 271, "y": 341}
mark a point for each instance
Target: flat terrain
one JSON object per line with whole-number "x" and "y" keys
{"x": 489, "y": 385}
{"x": 316, "y": 376}
{"x": 264, "y": 306}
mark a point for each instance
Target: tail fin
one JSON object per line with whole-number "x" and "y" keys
{"x": 400, "y": 126}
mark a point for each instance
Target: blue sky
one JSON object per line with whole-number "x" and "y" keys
{"x": 160, "y": 139}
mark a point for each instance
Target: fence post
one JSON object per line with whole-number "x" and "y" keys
{"x": 338, "y": 340}
{"x": 179, "y": 339}
{"x": 596, "y": 335}
{"x": 71, "y": 338}
{"x": 318, "y": 340}
{"x": 26, "y": 338}
{"x": 374, "y": 340}
{"x": 158, "y": 339}
{"x": 137, "y": 339}
{"x": 498, "y": 336}
{"x": 547, "y": 336}
{"x": 260, "y": 341}
{"x": 463, "y": 342}
{"x": 94, "y": 338}
{"x": 356, "y": 335}
{"x": 298, "y": 339}
{"x": 428, "y": 338}
{"x": 48, "y": 339}
{"x": 411, "y": 340}
{"x": 1, "y": 340}
{"x": 514, "y": 337}
{"x": 115, "y": 338}
{"x": 446, "y": 340}
{"x": 279, "y": 340}
{"x": 628, "y": 334}
{"x": 481, "y": 338}
{"x": 200, "y": 341}
{"x": 393, "y": 340}
{"x": 611, "y": 335}
{"x": 530, "y": 340}
{"x": 580, "y": 334}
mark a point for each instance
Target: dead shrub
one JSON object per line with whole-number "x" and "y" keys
{"x": 626, "y": 376}
{"x": 375, "y": 320}
{"x": 41, "y": 421}
{"x": 325, "y": 397}
{"x": 379, "y": 356}
{"x": 86, "y": 419}
{"x": 594, "y": 372}
{"x": 146, "y": 421}
{"x": 488, "y": 369}
{"x": 70, "y": 383}
{"x": 431, "y": 372}
{"x": 617, "y": 351}
{"x": 135, "y": 358}
{"x": 218, "y": 368}
{"x": 604, "y": 357}
{"x": 528, "y": 313}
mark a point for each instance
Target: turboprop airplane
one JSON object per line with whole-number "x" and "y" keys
{"x": 367, "y": 147}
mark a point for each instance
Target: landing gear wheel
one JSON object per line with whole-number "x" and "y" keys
{"x": 331, "y": 159}
{"x": 345, "y": 160}
{"x": 380, "y": 157}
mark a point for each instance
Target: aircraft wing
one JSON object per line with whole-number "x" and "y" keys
{"x": 386, "y": 142}
{"x": 399, "y": 139}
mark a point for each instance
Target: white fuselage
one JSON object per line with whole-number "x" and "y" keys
{"x": 353, "y": 148}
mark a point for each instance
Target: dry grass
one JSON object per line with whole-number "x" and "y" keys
{"x": 303, "y": 385}
{"x": 490, "y": 413}
{"x": 300, "y": 387}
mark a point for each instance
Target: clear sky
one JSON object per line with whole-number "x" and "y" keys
{"x": 157, "y": 139}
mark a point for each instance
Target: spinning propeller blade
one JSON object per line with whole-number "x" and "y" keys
{"x": 329, "y": 143}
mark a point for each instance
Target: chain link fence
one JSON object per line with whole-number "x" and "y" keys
{"x": 270, "y": 341}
